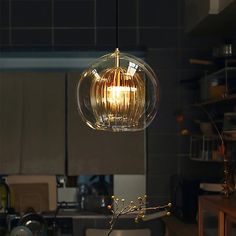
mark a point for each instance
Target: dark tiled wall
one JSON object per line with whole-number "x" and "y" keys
{"x": 156, "y": 25}
{"x": 85, "y": 23}
{"x": 80, "y": 23}
{"x": 168, "y": 152}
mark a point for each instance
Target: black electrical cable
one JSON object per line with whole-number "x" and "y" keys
{"x": 117, "y": 23}
{"x": 66, "y": 124}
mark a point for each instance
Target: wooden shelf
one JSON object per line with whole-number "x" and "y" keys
{"x": 217, "y": 100}
{"x": 202, "y": 160}
{"x": 229, "y": 135}
{"x": 221, "y": 71}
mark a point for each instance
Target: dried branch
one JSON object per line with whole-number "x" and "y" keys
{"x": 118, "y": 208}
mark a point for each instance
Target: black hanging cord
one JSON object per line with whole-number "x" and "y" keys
{"x": 66, "y": 124}
{"x": 117, "y": 23}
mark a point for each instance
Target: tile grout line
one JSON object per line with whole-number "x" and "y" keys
{"x": 52, "y": 24}
{"x": 95, "y": 22}
{"x": 86, "y": 27}
{"x": 137, "y": 23}
{"x": 10, "y": 24}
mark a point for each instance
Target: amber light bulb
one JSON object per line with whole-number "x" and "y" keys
{"x": 117, "y": 98}
{"x": 112, "y": 94}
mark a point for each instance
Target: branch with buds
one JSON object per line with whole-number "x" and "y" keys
{"x": 140, "y": 209}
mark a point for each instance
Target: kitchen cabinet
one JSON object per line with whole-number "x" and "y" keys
{"x": 11, "y": 118}
{"x": 216, "y": 215}
{"x": 230, "y": 227}
{"x": 100, "y": 152}
{"x": 43, "y": 139}
{"x": 32, "y": 123}
{"x": 41, "y": 131}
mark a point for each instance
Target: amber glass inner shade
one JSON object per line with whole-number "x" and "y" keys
{"x": 113, "y": 94}
{"x": 117, "y": 97}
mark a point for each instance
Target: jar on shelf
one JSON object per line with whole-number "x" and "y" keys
{"x": 216, "y": 88}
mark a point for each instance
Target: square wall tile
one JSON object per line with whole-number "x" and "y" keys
{"x": 164, "y": 122}
{"x": 106, "y": 13}
{"x": 159, "y": 37}
{"x": 106, "y": 37}
{"x": 73, "y": 13}
{"x": 168, "y": 79}
{"x": 162, "y": 144}
{"x": 74, "y": 37}
{"x": 163, "y": 58}
{"x": 128, "y": 13}
{"x": 198, "y": 41}
{"x": 127, "y": 37}
{"x": 31, "y": 37}
{"x": 4, "y": 37}
{"x": 31, "y": 13}
{"x": 159, "y": 185}
{"x": 158, "y": 13}
{"x": 162, "y": 164}
{"x": 184, "y": 145}
{"x": 181, "y": 11}
{"x": 4, "y": 14}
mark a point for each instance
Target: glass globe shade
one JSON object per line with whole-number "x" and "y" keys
{"x": 118, "y": 92}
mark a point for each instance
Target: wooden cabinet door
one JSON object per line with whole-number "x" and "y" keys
{"x": 11, "y": 120}
{"x": 98, "y": 152}
{"x": 43, "y": 141}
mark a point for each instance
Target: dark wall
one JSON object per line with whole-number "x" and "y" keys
{"x": 168, "y": 151}
{"x": 68, "y": 24}
{"x": 32, "y": 25}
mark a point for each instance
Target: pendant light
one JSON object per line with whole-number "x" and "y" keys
{"x": 118, "y": 92}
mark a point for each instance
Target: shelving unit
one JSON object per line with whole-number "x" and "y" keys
{"x": 205, "y": 148}
{"x": 227, "y": 98}
{"x": 228, "y": 137}
{"x": 219, "y": 86}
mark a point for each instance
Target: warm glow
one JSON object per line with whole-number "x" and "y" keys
{"x": 118, "y": 93}
{"x": 118, "y": 90}
{"x": 117, "y": 97}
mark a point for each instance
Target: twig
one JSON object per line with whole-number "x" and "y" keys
{"x": 138, "y": 210}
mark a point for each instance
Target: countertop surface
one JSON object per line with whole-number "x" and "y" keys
{"x": 76, "y": 214}
{"x": 83, "y": 215}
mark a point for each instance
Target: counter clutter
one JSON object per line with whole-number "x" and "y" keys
{"x": 37, "y": 206}
{"x": 68, "y": 223}
{"x": 71, "y": 223}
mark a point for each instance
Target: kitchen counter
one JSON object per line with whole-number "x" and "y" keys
{"x": 74, "y": 222}
{"x": 96, "y": 215}
{"x": 76, "y": 214}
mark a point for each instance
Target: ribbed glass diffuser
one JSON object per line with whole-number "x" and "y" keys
{"x": 118, "y": 92}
